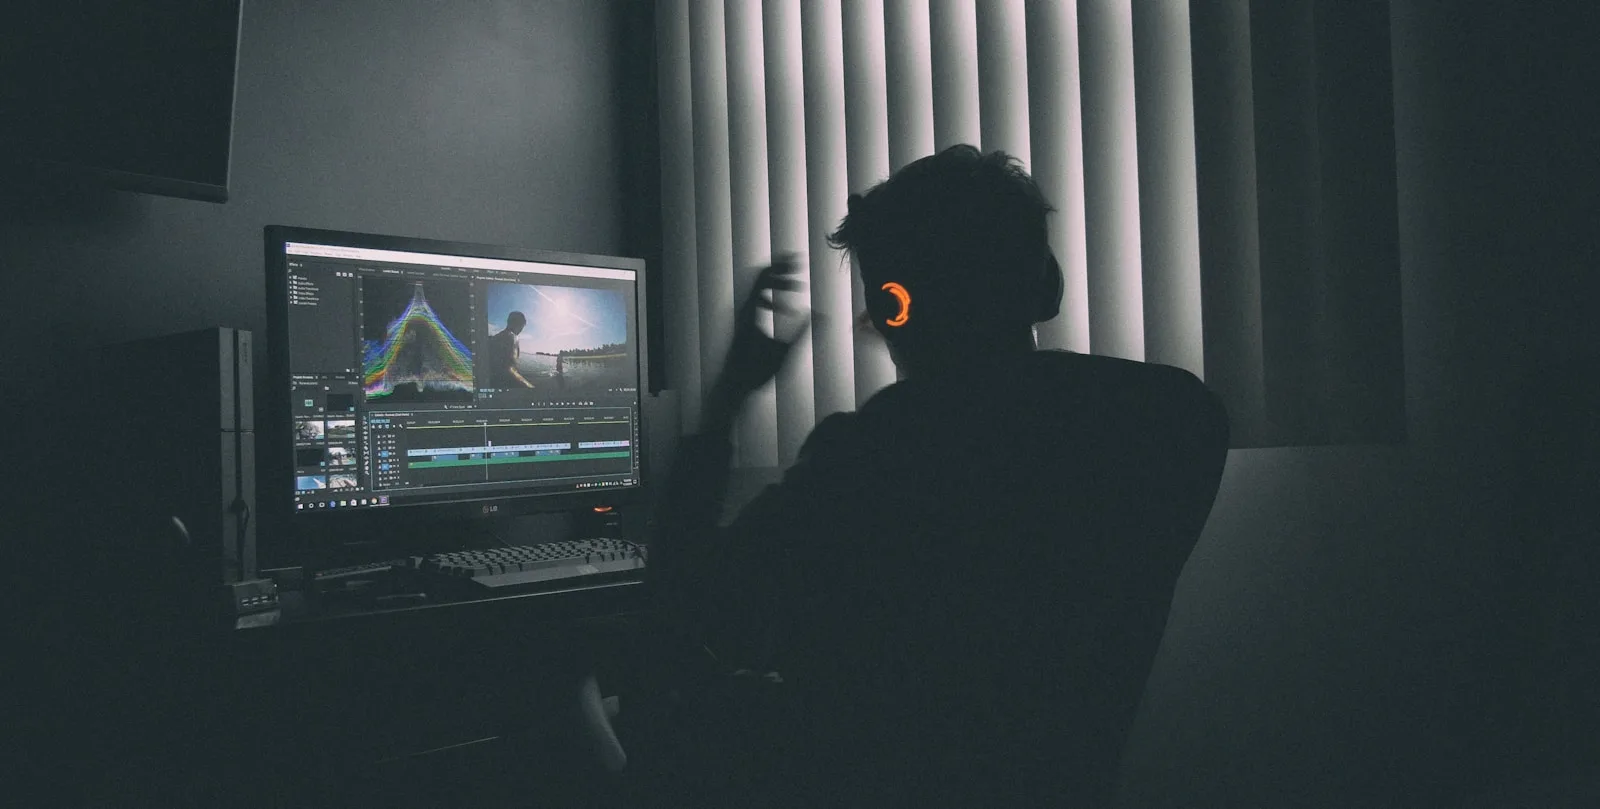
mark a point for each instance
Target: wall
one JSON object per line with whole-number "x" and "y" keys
{"x": 483, "y": 122}
{"x": 1355, "y": 627}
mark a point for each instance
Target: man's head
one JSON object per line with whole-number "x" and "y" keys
{"x": 961, "y": 238}
{"x": 515, "y": 321}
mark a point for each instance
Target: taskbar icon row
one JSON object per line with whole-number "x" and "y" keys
{"x": 606, "y": 484}
{"x": 381, "y": 500}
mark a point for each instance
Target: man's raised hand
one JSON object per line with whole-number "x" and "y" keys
{"x": 754, "y": 358}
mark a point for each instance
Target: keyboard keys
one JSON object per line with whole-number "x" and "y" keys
{"x": 553, "y": 560}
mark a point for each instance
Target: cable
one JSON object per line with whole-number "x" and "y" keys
{"x": 500, "y": 539}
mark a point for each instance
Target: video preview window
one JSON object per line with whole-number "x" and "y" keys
{"x": 555, "y": 340}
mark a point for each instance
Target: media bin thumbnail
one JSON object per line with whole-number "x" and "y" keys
{"x": 341, "y": 429}
{"x": 308, "y": 430}
{"x": 559, "y": 341}
{"x": 341, "y": 481}
{"x": 412, "y": 348}
{"x": 307, "y": 483}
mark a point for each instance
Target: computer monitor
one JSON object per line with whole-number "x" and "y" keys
{"x": 413, "y": 384}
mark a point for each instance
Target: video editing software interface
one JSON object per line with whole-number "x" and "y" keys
{"x": 429, "y": 378}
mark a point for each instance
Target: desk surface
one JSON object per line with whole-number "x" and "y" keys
{"x": 316, "y": 699}
{"x": 573, "y": 600}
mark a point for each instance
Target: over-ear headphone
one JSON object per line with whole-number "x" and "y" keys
{"x": 902, "y": 299}
{"x": 1048, "y": 294}
{"x": 890, "y": 304}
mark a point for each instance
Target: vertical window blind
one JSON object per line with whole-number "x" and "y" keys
{"x": 773, "y": 111}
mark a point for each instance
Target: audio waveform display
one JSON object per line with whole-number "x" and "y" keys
{"x": 418, "y": 355}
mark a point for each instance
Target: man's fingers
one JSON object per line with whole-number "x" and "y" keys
{"x": 784, "y": 275}
{"x": 798, "y": 332}
{"x": 786, "y": 260}
{"x": 779, "y": 267}
{"x": 776, "y": 275}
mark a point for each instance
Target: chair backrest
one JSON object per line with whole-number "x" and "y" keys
{"x": 995, "y": 642}
{"x": 995, "y": 683}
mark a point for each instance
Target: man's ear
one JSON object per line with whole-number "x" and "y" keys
{"x": 1051, "y": 288}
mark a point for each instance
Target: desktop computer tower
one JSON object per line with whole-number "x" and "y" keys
{"x": 181, "y": 437}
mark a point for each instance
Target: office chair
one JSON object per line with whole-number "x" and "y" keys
{"x": 953, "y": 688}
{"x": 945, "y": 701}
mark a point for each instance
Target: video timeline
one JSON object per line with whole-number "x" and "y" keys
{"x": 499, "y": 447}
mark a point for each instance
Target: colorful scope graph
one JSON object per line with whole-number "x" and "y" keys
{"x": 417, "y": 349}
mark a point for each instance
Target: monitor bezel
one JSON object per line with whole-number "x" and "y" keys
{"x": 275, "y": 478}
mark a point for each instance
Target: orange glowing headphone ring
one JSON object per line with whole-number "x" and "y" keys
{"x": 902, "y": 297}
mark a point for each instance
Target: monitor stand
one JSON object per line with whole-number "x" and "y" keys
{"x": 501, "y": 531}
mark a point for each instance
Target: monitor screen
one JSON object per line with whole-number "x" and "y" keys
{"x": 428, "y": 373}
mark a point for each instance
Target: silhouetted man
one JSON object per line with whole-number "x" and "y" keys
{"x": 964, "y": 582}
{"x": 500, "y": 366}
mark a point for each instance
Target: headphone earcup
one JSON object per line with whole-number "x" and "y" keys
{"x": 1045, "y": 295}
{"x": 1051, "y": 288}
{"x": 883, "y": 306}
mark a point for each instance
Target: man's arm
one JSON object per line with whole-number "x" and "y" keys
{"x": 687, "y": 551}
{"x": 685, "y": 514}
{"x": 727, "y": 584}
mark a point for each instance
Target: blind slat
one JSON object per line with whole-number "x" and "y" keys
{"x": 752, "y": 224}
{"x": 680, "y": 293}
{"x": 1169, "y": 224}
{"x": 908, "y": 67}
{"x": 786, "y": 168}
{"x": 833, "y": 354}
{"x": 1056, "y": 122}
{"x": 867, "y": 146}
{"x": 1225, "y": 169}
{"x": 1111, "y": 178}
{"x": 713, "y": 223}
{"x": 953, "y": 28}
{"x": 1003, "y": 78}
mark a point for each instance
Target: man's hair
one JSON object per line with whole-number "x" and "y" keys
{"x": 966, "y": 227}
{"x": 516, "y": 320}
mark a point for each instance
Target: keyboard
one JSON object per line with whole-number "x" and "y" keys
{"x": 530, "y": 566}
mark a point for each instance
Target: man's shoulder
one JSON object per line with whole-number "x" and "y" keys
{"x": 1033, "y": 390}
{"x": 1072, "y": 365}
{"x": 1048, "y": 373}
{"x": 1164, "y": 393}
{"x": 1168, "y": 384}
{"x": 833, "y": 432}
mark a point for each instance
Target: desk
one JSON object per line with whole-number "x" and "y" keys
{"x": 307, "y": 711}
{"x": 392, "y": 682}
{"x": 573, "y": 602}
